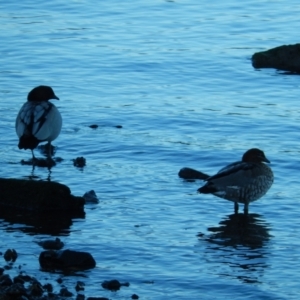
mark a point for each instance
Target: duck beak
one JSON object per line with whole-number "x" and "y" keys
{"x": 55, "y": 97}
{"x": 266, "y": 160}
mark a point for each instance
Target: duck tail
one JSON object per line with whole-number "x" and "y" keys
{"x": 28, "y": 142}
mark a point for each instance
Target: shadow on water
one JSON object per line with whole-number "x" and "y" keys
{"x": 240, "y": 243}
{"x": 52, "y": 223}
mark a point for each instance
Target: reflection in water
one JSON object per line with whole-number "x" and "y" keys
{"x": 240, "y": 243}
{"x": 53, "y": 223}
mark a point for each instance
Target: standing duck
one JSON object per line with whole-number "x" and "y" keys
{"x": 38, "y": 120}
{"x": 243, "y": 181}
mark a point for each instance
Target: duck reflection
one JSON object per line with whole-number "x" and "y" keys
{"x": 241, "y": 244}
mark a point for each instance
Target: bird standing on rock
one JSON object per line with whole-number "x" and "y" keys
{"x": 38, "y": 120}
{"x": 242, "y": 182}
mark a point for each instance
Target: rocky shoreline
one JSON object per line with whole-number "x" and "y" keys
{"x": 49, "y": 207}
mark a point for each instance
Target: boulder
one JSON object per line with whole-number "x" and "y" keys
{"x": 38, "y": 196}
{"x": 67, "y": 260}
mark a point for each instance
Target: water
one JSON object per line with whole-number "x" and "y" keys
{"x": 177, "y": 76}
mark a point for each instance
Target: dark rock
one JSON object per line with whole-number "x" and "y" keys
{"x": 67, "y": 260}
{"x": 90, "y": 197}
{"x": 59, "y": 280}
{"x": 134, "y": 296}
{"x": 5, "y": 280}
{"x": 113, "y": 285}
{"x": 65, "y": 293}
{"x": 97, "y": 298}
{"x": 94, "y": 126}
{"x": 15, "y": 291}
{"x": 39, "y": 196}
{"x": 10, "y": 255}
{"x": 56, "y": 244}
{"x": 286, "y": 58}
{"x": 80, "y": 297}
{"x": 36, "y": 289}
{"x": 79, "y": 286}
{"x": 79, "y": 162}
{"x": 188, "y": 173}
{"x": 48, "y": 287}
{"x": 22, "y": 278}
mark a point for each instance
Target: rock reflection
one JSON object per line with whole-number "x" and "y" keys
{"x": 32, "y": 223}
{"x": 240, "y": 243}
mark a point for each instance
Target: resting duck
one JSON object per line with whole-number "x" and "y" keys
{"x": 243, "y": 181}
{"x": 38, "y": 119}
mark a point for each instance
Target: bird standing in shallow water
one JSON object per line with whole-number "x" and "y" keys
{"x": 38, "y": 120}
{"x": 242, "y": 182}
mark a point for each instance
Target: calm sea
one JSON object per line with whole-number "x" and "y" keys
{"x": 177, "y": 76}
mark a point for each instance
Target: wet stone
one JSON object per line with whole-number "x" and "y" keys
{"x": 97, "y": 298}
{"x": 90, "y": 197}
{"x": 79, "y": 162}
{"x": 66, "y": 260}
{"x": 79, "y": 286}
{"x": 36, "y": 289}
{"x": 39, "y": 196}
{"x": 64, "y": 292}
{"x": 10, "y": 255}
{"x": 113, "y": 285}
{"x": 5, "y": 280}
{"x": 15, "y": 291}
{"x": 94, "y": 126}
{"x": 48, "y": 287}
{"x": 56, "y": 244}
{"x": 80, "y": 297}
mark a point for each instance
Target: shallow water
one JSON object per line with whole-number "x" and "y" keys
{"x": 177, "y": 76}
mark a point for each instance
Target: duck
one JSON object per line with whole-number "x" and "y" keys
{"x": 38, "y": 120}
{"x": 243, "y": 181}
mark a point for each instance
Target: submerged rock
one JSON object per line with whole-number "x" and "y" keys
{"x": 56, "y": 244}
{"x": 113, "y": 285}
{"x": 10, "y": 255}
{"x": 286, "y": 58}
{"x": 67, "y": 260}
{"x": 39, "y": 196}
{"x": 90, "y": 197}
{"x": 79, "y": 162}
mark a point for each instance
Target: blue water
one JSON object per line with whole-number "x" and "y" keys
{"x": 177, "y": 76}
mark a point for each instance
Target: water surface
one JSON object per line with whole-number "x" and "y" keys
{"x": 177, "y": 76}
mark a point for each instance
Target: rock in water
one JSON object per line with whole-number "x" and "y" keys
{"x": 38, "y": 196}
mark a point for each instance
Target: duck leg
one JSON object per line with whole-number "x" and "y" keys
{"x": 49, "y": 156}
{"x": 34, "y": 160}
{"x": 236, "y": 207}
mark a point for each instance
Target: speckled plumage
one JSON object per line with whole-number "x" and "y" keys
{"x": 38, "y": 119}
{"x": 242, "y": 182}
